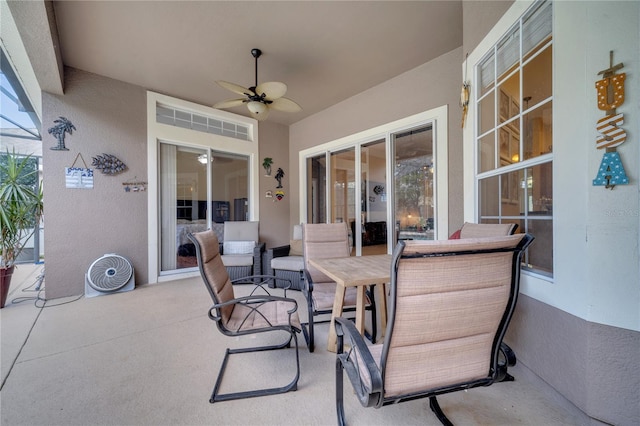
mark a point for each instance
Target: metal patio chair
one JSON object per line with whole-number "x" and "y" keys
{"x": 450, "y": 306}
{"x": 260, "y": 312}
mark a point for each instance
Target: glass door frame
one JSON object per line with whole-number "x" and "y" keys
{"x": 158, "y": 132}
{"x": 437, "y": 117}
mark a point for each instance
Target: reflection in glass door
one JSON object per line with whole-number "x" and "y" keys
{"x": 413, "y": 172}
{"x": 371, "y": 230}
{"x": 317, "y": 189}
{"x": 343, "y": 187}
{"x": 183, "y": 204}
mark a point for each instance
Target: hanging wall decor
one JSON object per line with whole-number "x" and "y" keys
{"x": 78, "y": 177}
{"x": 266, "y": 164}
{"x": 610, "y": 95}
{"x": 62, "y": 126}
{"x": 134, "y": 185}
{"x": 279, "y": 176}
{"x": 464, "y": 94}
{"x": 279, "y": 195}
{"x": 108, "y": 164}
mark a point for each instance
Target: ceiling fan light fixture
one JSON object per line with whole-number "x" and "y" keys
{"x": 261, "y": 97}
{"x": 256, "y": 107}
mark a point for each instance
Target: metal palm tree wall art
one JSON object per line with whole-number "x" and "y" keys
{"x": 62, "y": 126}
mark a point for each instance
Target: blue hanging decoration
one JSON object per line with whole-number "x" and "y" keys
{"x": 611, "y": 171}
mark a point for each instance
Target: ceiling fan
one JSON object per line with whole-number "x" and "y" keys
{"x": 260, "y": 98}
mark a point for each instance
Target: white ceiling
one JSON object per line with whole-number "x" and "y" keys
{"x": 325, "y": 51}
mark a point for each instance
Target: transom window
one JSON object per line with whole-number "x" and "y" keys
{"x": 514, "y": 139}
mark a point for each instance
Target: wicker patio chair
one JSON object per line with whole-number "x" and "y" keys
{"x": 241, "y": 250}
{"x": 450, "y": 305}
{"x": 260, "y": 312}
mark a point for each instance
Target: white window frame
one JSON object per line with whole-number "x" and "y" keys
{"x": 470, "y": 160}
{"x": 158, "y": 132}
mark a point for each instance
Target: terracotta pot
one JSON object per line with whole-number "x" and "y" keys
{"x": 5, "y": 283}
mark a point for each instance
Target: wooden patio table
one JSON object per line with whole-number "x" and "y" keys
{"x": 358, "y": 272}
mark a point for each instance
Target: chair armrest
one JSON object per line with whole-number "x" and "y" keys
{"x": 272, "y": 253}
{"x": 260, "y": 280}
{"x": 258, "y": 300}
{"x": 370, "y": 394}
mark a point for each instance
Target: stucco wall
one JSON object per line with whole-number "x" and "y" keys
{"x": 428, "y": 86}
{"x": 274, "y": 215}
{"x": 81, "y": 225}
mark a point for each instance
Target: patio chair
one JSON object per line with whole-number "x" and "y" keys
{"x": 260, "y": 312}
{"x": 241, "y": 250}
{"x": 286, "y": 261}
{"x": 450, "y": 305}
{"x": 480, "y": 230}
{"x": 320, "y": 241}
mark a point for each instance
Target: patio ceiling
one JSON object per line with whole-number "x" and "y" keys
{"x": 325, "y": 52}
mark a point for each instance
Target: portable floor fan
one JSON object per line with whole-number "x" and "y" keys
{"x": 111, "y": 273}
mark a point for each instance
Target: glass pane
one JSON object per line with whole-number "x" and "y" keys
{"x": 487, "y": 154}
{"x": 509, "y": 143}
{"x": 539, "y": 183}
{"x": 343, "y": 188}
{"x": 509, "y": 99}
{"x": 486, "y": 76}
{"x": 183, "y": 201}
{"x": 229, "y": 187}
{"x": 511, "y": 193}
{"x": 316, "y": 190}
{"x": 540, "y": 254}
{"x": 537, "y": 78}
{"x": 537, "y": 136}
{"x": 486, "y": 113}
{"x": 508, "y": 53}
{"x": 536, "y": 27}
{"x": 489, "y": 191}
{"x": 413, "y": 184}
{"x": 373, "y": 220}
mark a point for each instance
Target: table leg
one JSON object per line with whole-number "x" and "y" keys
{"x": 338, "y": 303}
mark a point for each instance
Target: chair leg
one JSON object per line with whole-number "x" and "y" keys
{"x": 435, "y": 407}
{"x": 374, "y": 317}
{"x": 307, "y": 329}
{"x": 339, "y": 389}
{"x": 291, "y": 386}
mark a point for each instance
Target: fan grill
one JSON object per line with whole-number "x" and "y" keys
{"x": 109, "y": 273}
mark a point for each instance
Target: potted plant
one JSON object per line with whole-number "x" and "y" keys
{"x": 21, "y": 207}
{"x": 266, "y": 163}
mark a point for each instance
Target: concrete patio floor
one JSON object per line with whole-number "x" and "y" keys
{"x": 151, "y": 355}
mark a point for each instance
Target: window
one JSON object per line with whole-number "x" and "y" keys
{"x": 514, "y": 140}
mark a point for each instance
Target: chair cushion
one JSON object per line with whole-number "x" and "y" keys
{"x": 325, "y": 293}
{"x": 288, "y": 263}
{"x": 238, "y": 247}
{"x": 295, "y": 248}
{"x": 276, "y": 313}
{"x": 237, "y": 259}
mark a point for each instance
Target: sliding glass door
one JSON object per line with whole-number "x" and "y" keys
{"x": 413, "y": 174}
{"x": 185, "y": 197}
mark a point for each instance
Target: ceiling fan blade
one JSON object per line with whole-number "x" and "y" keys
{"x": 229, "y": 103}
{"x": 285, "y": 104}
{"x": 271, "y": 89}
{"x": 235, "y": 88}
